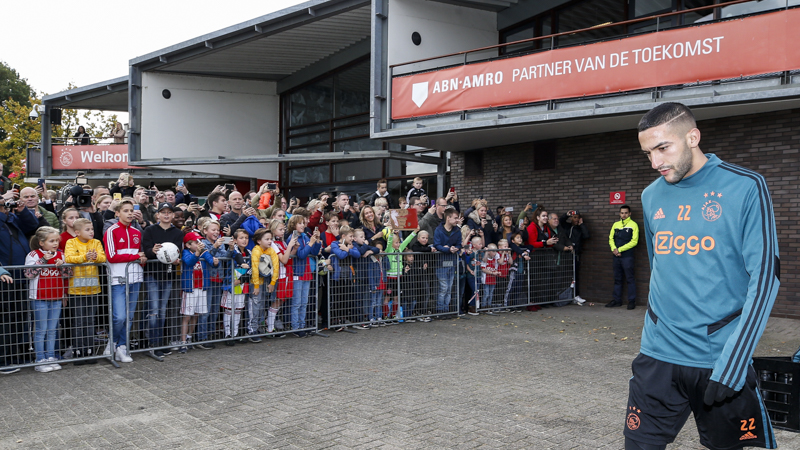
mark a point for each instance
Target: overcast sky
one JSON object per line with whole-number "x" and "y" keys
{"x": 53, "y": 42}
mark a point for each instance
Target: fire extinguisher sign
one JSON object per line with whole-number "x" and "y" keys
{"x": 617, "y": 198}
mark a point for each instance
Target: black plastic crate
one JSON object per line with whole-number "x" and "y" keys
{"x": 779, "y": 383}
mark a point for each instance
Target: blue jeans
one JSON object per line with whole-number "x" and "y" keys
{"x": 45, "y": 315}
{"x": 299, "y": 303}
{"x": 207, "y": 323}
{"x": 375, "y": 302}
{"x": 255, "y": 308}
{"x": 120, "y": 321}
{"x": 158, "y": 292}
{"x": 446, "y": 277}
{"x": 488, "y": 294}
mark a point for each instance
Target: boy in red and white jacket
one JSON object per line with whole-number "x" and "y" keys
{"x": 123, "y": 245}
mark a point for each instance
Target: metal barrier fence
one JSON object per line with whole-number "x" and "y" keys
{"x": 85, "y": 312}
{"x": 51, "y": 314}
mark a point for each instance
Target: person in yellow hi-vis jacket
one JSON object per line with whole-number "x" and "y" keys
{"x": 623, "y": 238}
{"x": 84, "y": 286}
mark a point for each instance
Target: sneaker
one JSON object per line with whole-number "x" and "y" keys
{"x": 381, "y": 324}
{"x": 175, "y": 345}
{"x": 360, "y": 327}
{"x": 338, "y": 329}
{"x": 44, "y": 368}
{"x": 410, "y": 320}
{"x": 473, "y": 313}
{"x": 203, "y": 346}
{"x": 276, "y": 336}
{"x": 579, "y": 299}
{"x": 183, "y": 348}
{"x": 54, "y": 363}
{"x": 69, "y": 353}
{"x": 255, "y": 339}
{"x": 9, "y": 370}
{"x": 122, "y": 354}
{"x": 279, "y": 324}
{"x": 300, "y": 334}
{"x": 107, "y": 351}
{"x": 166, "y": 352}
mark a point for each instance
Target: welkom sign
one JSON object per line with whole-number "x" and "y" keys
{"x": 90, "y": 157}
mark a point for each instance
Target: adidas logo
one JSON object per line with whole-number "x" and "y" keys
{"x": 659, "y": 214}
{"x": 121, "y": 240}
{"x": 747, "y": 436}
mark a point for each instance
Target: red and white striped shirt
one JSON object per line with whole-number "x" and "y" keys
{"x": 123, "y": 244}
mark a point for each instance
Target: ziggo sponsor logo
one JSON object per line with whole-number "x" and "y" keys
{"x": 666, "y": 243}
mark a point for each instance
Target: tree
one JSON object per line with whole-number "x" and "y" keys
{"x": 13, "y": 87}
{"x": 23, "y": 132}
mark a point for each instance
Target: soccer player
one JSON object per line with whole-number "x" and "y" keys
{"x": 711, "y": 240}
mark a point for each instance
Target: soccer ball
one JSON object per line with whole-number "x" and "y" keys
{"x": 168, "y": 253}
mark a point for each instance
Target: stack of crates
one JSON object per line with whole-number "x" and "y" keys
{"x": 779, "y": 384}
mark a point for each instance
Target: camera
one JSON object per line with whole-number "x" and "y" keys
{"x": 11, "y": 204}
{"x": 150, "y": 192}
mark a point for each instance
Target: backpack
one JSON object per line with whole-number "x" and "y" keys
{"x": 265, "y": 268}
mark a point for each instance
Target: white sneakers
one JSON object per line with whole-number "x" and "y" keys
{"x": 44, "y": 368}
{"x": 122, "y": 354}
{"x": 107, "y": 351}
{"x": 579, "y": 300}
{"x": 54, "y": 365}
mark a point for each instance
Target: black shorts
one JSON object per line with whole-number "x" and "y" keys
{"x": 662, "y": 395}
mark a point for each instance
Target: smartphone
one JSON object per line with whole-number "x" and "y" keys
{"x": 230, "y": 187}
{"x": 40, "y": 183}
{"x": 295, "y": 233}
{"x": 272, "y": 186}
{"x": 15, "y": 187}
{"x": 316, "y": 229}
{"x": 452, "y": 189}
{"x": 117, "y": 196}
{"x": 227, "y": 240}
{"x": 136, "y": 207}
{"x": 180, "y": 182}
{"x": 152, "y": 185}
{"x": 510, "y": 209}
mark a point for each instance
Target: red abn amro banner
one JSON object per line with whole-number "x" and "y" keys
{"x": 740, "y": 47}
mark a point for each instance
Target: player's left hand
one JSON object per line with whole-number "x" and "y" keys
{"x": 717, "y": 392}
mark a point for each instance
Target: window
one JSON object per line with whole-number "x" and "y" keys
{"x": 544, "y": 155}
{"x": 473, "y": 164}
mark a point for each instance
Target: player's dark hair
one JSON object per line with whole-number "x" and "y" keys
{"x": 665, "y": 113}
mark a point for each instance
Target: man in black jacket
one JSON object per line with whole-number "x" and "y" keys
{"x": 15, "y": 224}
{"x": 238, "y": 214}
{"x": 577, "y": 232}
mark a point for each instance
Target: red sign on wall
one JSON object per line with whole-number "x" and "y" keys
{"x": 617, "y": 198}
{"x": 83, "y": 157}
{"x": 747, "y": 46}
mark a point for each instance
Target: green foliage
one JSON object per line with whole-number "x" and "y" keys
{"x": 13, "y": 87}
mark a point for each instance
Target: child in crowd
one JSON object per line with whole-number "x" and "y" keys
{"x": 68, "y": 218}
{"x": 285, "y": 252}
{"x": 342, "y": 288}
{"x": 381, "y": 205}
{"x": 301, "y": 263}
{"x": 46, "y": 292}
{"x": 489, "y": 267}
{"x": 233, "y": 297}
{"x": 472, "y": 260}
{"x": 123, "y": 245}
{"x": 416, "y": 190}
{"x": 413, "y": 285}
{"x": 84, "y": 286}
{"x": 207, "y": 323}
{"x": 520, "y": 254}
{"x": 262, "y": 251}
{"x": 393, "y": 253}
{"x": 424, "y": 245}
{"x": 403, "y": 203}
{"x": 362, "y": 267}
{"x": 196, "y": 262}
{"x": 503, "y": 266}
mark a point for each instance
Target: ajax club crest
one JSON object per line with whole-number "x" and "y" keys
{"x": 712, "y": 210}
{"x": 66, "y": 157}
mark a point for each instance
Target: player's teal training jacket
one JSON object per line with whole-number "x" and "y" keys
{"x": 714, "y": 269}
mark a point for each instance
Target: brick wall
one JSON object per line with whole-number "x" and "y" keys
{"x": 588, "y": 168}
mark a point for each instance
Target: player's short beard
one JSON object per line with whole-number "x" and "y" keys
{"x": 682, "y": 166}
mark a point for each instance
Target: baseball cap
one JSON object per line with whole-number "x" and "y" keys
{"x": 193, "y": 236}
{"x": 165, "y": 205}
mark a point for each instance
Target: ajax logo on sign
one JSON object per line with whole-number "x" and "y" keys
{"x": 419, "y": 93}
{"x": 66, "y": 157}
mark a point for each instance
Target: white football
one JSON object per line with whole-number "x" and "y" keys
{"x": 168, "y": 253}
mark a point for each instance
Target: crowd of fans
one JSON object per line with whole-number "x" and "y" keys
{"x": 248, "y": 255}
